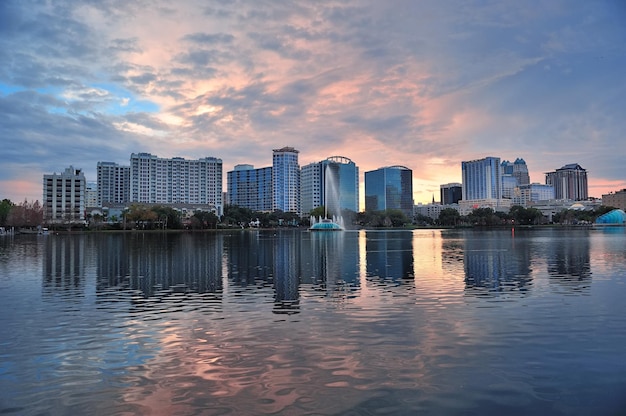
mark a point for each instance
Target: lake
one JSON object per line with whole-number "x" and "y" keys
{"x": 433, "y": 322}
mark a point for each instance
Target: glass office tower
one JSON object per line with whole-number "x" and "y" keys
{"x": 286, "y": 180}
{"x": 333, "y": 183}
{"x": 250, "y": 188}
{"x": 482, "y": 179}
{"x": 389, "y": 188}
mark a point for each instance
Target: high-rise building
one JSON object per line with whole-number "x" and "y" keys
{"x": 250, "y": 188}
{"x": 520, "y": 172}
{"x": 113, "y": 183}
{"x": 333, "y": 183}
{"x": 156, "y": 180}
{"x": 569, "y": 182}
{"x": 450, "y": 193}
{"x": 513, "y": 175}
{"x": 64, "y": 196}
{"x": 286, "y": 180}
{"x": 389, "y": 188}
{"x": 482, "y": 179}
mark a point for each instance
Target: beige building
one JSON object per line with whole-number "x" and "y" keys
{"x": 617, "y": 199}
{"x": 64, "y": 197}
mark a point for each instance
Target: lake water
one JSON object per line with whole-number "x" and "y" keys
{"x": 443, "y": 322}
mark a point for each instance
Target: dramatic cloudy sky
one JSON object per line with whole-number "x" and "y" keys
{"x": 420, "y": 83}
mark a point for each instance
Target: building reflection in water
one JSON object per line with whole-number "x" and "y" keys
{"x": 249, "y": 259}
{"x": 496, "y": 262}
{"x": 286, "y": 264}
{"x": 389, "y": 255}
{"x": 154, "y": 263}
{"x": 64, "y": 263}
{"x": 569, "y": 263}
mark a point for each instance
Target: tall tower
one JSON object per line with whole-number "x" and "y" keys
{"x": 389, "y": 188}
{"x": 286, "y": 180}
{"x": 482, "y": 179}
{"x": 569, "y": 182}
{"x": 520, "y": 172}
{"x": 113, "y": 183}
{"x": 333, "y": 183}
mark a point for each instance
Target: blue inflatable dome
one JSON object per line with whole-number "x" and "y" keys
{"x": 617, "y": 216}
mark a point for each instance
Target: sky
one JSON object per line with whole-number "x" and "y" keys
{"x": 424, "y": 84}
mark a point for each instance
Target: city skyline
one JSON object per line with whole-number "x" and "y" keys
{"x": 419, "y": 84}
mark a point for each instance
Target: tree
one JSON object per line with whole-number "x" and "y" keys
{"x": 141, "y": 216}
{"x": 26, "y": 215}
{"x": 319, "y": 212}
{"x": 526, "y": 216}
{"x": 236, "y": 215}
{"x": 421, "y": 219}
{"x": 168, "y": 217}
{"x": 5, "y": 209}
{"x": 449, "y": 217}
{"x": 204, "y": 220}
{"x": 396, "y": 217}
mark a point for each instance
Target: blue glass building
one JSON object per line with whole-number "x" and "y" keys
{"x": 250, "y": 188}
{"x": 482, "y": 179}
{"x": 286, "y": 180}
{"x": 389, "y": 188}
{"x": 333, "y": 183}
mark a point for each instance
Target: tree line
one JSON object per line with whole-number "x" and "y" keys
{"x": 29, "y": 214}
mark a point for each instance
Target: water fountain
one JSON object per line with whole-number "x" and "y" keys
{"x": 331, "y": 193}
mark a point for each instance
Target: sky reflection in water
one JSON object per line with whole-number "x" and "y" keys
{"x": 438, "y": 322}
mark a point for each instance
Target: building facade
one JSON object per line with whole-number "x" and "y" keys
{"x": 286, "y": 180}
{"x": 569, "y": 182}
{"x": 250, "y": 188}
{"x": 155, "y": 180}
{"x": 520, "y": 172}
{"x": 113, "y": 183}
{"x": 91, "y": 194}
{"x": 450, "y": 193}
{"x": 534, "y": 192}
{"x": 64, "y": 196}
{"x": 615, "y": 200}
{"x": 389, "y": 188}
{"x": 481, "y": 179}
{"x": 333, "y": 183}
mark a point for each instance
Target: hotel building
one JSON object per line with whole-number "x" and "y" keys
{"x": 569, "y": 182}
{"x": 155, "y": 180}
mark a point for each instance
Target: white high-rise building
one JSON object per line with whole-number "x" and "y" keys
{"x": 155, "y": 180}
{"x": 113, "y": 183}
{"x": 482, "y": 179}
{"x": 286, "y": 180}
{"x": 64, "y": 196}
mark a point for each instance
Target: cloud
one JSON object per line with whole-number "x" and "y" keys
{"x": 422, "y": 84}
